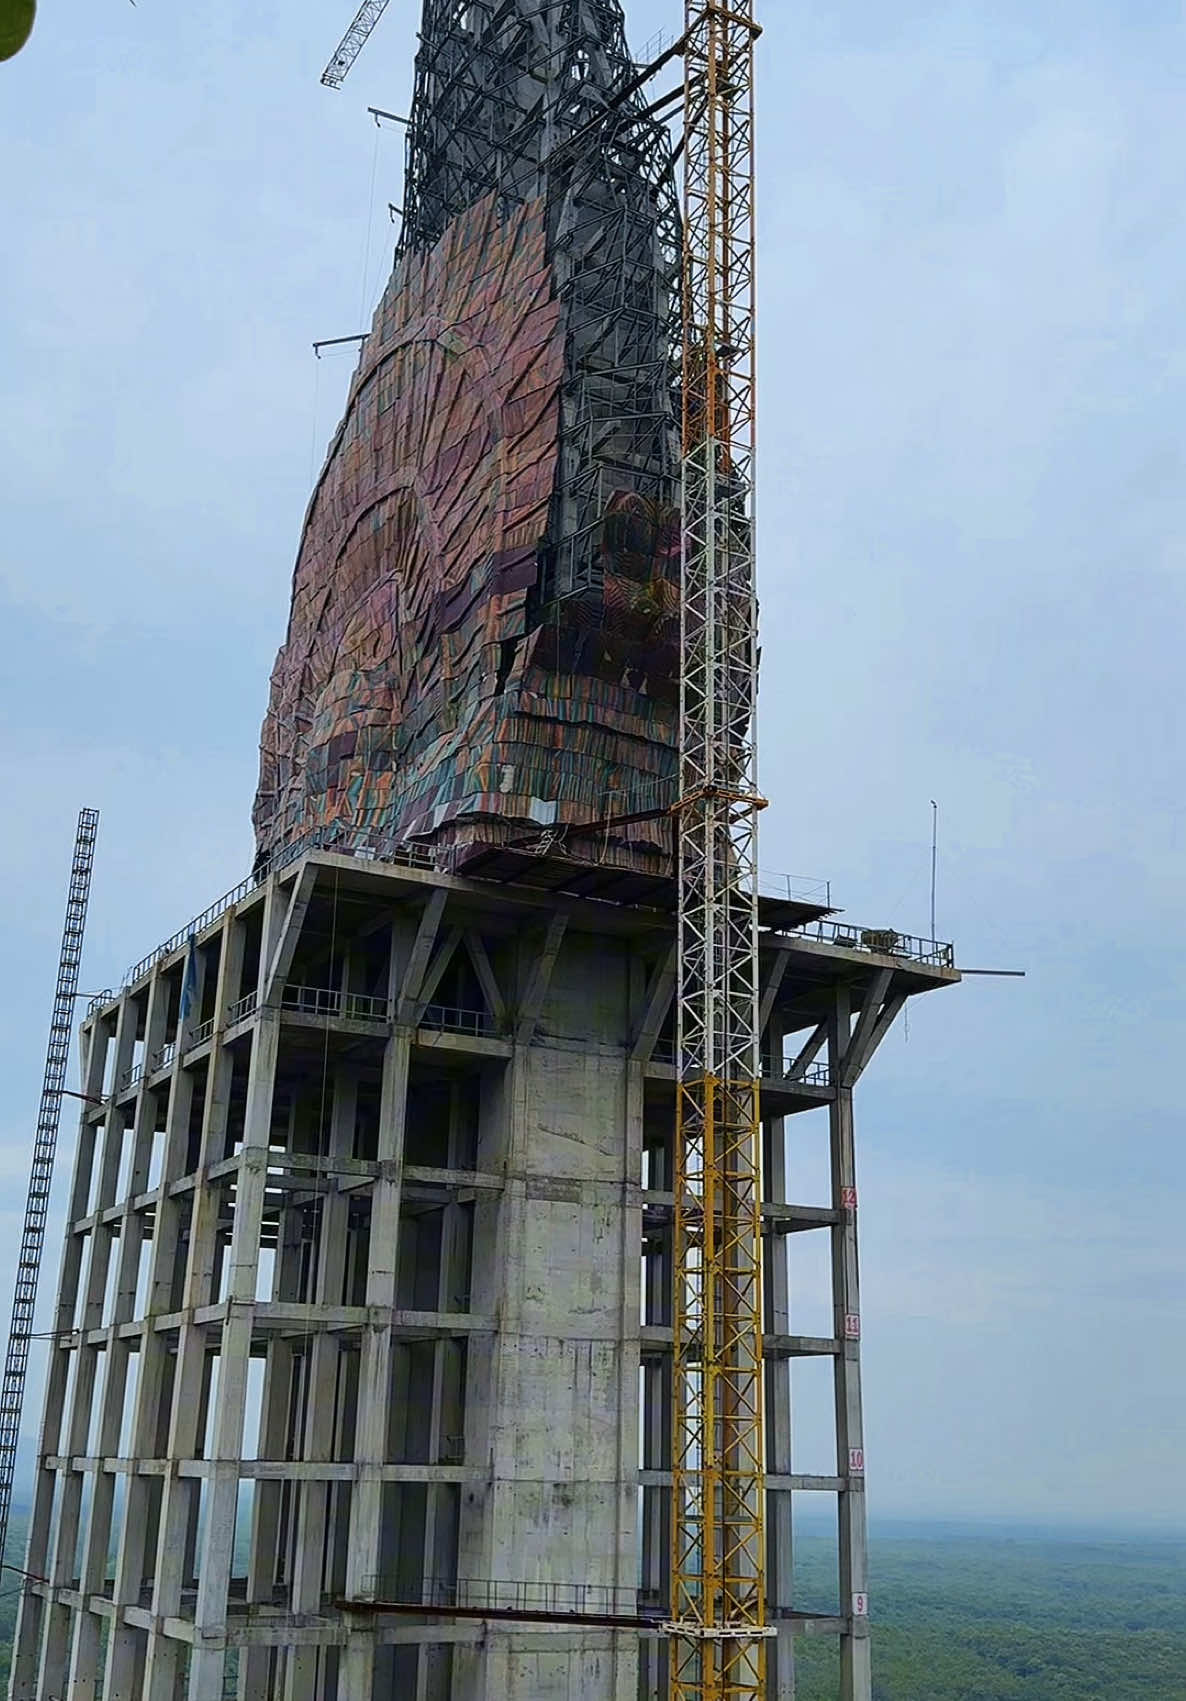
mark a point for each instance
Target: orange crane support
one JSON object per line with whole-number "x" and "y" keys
{"x": 718, "y": 1624}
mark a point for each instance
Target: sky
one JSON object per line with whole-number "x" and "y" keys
{"x": 973, "y": 370}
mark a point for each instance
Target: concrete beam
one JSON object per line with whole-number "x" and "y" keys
{"x": 541, "y": 975}
{"x": 770, "y": 990}
{"x": 808, "y": 1053}
{"x": 417, "y": 965}
{"x": 656, "y": 1339}
{"x": 659, "y": 994}
{"x": 274, "y": 973}
{"x": 436, "y": 969}
{"x": 854, "y": 1047}
{"x": 487, "y": 980}
{"x": 886, "y": 1018}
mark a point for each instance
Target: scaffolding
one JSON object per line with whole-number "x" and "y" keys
{"x": 503, "y": 92}
{"x": 45, "y": 1145}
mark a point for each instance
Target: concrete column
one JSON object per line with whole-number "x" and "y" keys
{"x": 59, "y": 1630}
{"x": 265, "y": 1512}
{"x": 447, "y": 1416}
{"x": 222, "y": 1485}
{"x": 561, "y": 1272}
{"x": 190, "y": 1390}
{"x": 284, "y": 1382}
{"x": 656, "y": 1413}
{"x": 33, "y": 1610}
{"x": 317, "y": 1444}
{"x": 127, "y": 1647}
{"x": 780, "y": 1675}
{"x": 374, "y": 1378}
{"x": 628, "y": 1417}
{"x": 162, "y": 1670}
{"x": 84, "y": 1660}
{"x": 856, "y": 1680}
{"x": 84, "y": 1671}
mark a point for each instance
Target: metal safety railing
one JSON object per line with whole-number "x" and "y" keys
{"x": 446, "y": 1019}
{"x": 332, "y": 1001}
{"x": 795, "y": 888}
{"x": 656, "y": 45}
{"x": 129, "y": 1077}
{"x": 329, "y": 1001}
{"x": 496, "y": 1595}
{"x": 164, "y": 1057}
{"x": 364, "y": 845}
{"x": 812, "y": 1075}
{"x": 372, "y": 848}
{"x": 790, "y": 1075}
{"x": 884, "y": 941}
{"x": 242, "y": 1008}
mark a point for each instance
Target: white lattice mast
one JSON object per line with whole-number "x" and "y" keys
{"x": 353, "y": 42}
{"x": 24, "y": 1303}
{"x": 718, "y": 1627}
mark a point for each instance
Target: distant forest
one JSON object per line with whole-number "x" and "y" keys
{"x": 975, "y": 1616}
{"x": 10, "y": 1589}
{"x": 983, "y": 1616}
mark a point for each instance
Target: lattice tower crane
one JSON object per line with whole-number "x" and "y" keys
{"x": 718, "y": 1624}
{"x": 24, "y": 1303}
{"x": 353, "y": 42}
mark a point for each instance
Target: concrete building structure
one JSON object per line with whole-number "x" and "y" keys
{"x": 360, "y": 1375}
{"x": 360, "y": 1379}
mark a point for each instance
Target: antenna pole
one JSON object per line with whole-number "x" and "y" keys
{"x": 934, "y": 860}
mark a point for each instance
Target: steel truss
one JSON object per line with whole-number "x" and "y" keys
{"x": 718, "y": 1610}
{"x": 353, "y": 42}
{"x": 502, "y": 88}
{"x": 45, "y": 1145}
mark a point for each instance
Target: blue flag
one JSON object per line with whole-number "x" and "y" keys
{"x": 189, "y": 986}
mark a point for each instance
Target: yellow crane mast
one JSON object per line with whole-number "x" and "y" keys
{"x": 718, "y": 1624}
